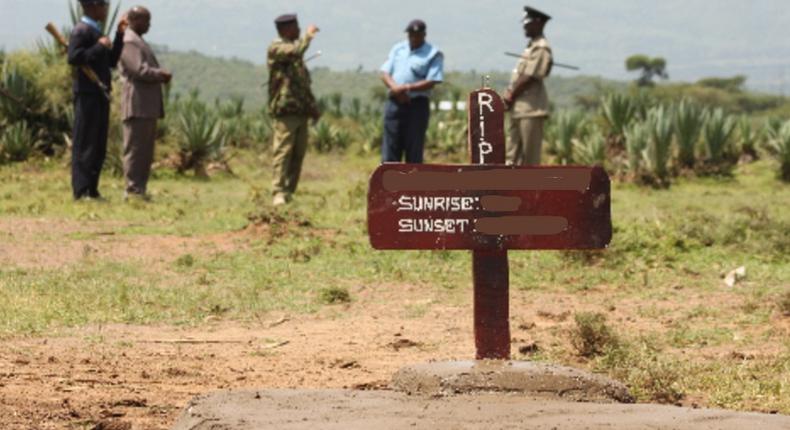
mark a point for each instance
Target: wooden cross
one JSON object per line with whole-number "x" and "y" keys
{"x": 489, "y": 208}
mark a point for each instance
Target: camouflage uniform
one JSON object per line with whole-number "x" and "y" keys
{"x": 531, "y": 107}
{"x": 291, "y": 104}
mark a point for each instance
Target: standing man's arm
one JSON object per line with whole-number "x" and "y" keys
{"x": 117, "y": 45}
{"x": 80, "y": 54}
{"x": 537, "y": 68}
{"x": 434, "y": 77}
{"x": 281, "y": 52}
{"x": 396, "y": 90}
{"x": 138, "y": 70}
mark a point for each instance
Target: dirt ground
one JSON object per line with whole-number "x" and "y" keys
{"x": 143, "y": 377}
{"x": 146, "y": 375}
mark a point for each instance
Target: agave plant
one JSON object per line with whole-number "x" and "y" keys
{"x": 19, "y": 97}
{"x": 323, "y": 136}
{"x": 76, "y": 13}
{"x": 747, "y": 138}
{"x": 717, "y": 135}
{"x": 590, "y": 151}
{"x": 618, "y": 110}
{"x": 17, "y": 142}
{"x": 780, "y": 149}
{"x": 688, "y": 120}
{"x": 568, "y": 126}
{"x": 771, "y": 131}
{"x": 371, "y": 134}
{"x": 637, "y": 136}
{"x": 355, "y": 109}
{"x": 200, "y": 137}
{"x": 657, "y": 154}
{"x": 336, "y": 100}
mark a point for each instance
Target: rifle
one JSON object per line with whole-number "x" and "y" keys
{"x": 89, "y": 73}
{"x": 564, "y": 66}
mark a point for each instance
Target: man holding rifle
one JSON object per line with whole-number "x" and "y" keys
{"x": 526, "y": 97}
{"x": 89, "y": 47}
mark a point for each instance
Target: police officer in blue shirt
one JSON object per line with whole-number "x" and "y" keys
{"x": 413, "y": 68}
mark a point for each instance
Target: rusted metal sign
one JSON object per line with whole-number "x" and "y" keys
{"x": 488, "y": 207}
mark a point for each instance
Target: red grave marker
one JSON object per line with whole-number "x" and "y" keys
{"x": 489, "y": 208}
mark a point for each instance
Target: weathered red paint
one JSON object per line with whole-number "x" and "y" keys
{"x": 489, "y": 208}
{"x": 586, "y": 209}
{"x": 490, "y": 267}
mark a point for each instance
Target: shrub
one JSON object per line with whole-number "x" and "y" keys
{"x": 323, "y": 136}
{"x": 592, "y": 337}
{"x": 779, "y": 148}
{"x": 637, "y": 136}
{"x": 717, "y": 135}
{"x": 618, "y": 110}
{"x": 17, "y": 142}
{"x": 688, "y": 120}
{"x": 658, "y": 152}
{"x": 371, "y": 135}
{"x": 335, "y": 295}
{"x": 200, "y": 136}
{"x": 747, "y": 138}
{"x": 591, "y": 151}
{"x": 568, "y": 126}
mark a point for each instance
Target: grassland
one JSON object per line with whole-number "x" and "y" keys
{"x": 215, "y": 249}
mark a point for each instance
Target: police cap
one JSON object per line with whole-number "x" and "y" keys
{"x": 285, "y": 19}
{"x": 532, "y": 14}
{"x": 416, "y": 26}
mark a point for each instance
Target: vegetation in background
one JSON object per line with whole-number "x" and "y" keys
{"x": 650, "y": 68}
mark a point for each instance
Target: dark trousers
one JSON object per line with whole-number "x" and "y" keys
{"x": 91, "y": 123}
{"x": 404, "y": 130}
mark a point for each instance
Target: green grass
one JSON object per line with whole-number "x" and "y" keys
{"x": 660, "y": 283}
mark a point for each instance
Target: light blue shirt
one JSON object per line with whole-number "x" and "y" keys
{"x": 92, "y": 23}
{"x": 425, "y": 63}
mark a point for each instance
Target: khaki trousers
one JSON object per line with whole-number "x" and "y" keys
{"x": 290, "y": 147}
{"x": 139, "y": 135}
{"x": 526, "y": 141}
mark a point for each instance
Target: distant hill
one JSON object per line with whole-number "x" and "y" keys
{"x": 218, "y": 78}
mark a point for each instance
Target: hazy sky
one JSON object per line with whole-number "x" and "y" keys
{"x": 697, "y": 37}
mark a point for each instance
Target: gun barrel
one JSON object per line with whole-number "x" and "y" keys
{"x": 561, "y": 65}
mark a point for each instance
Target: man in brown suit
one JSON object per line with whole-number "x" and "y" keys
{"x": 141, "y": 102}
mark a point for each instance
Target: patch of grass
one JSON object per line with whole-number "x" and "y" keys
{"x": 591, "y": 335}
{"x": 783, "y": 302}
{"x": 651, "y": 375}
{"x": 335, "y": 295}
{"x": 186, "y": 260}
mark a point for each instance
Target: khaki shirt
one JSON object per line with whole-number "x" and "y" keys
{"x": 536, "y": 62}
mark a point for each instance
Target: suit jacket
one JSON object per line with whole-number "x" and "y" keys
{"x": 84, "y": 50}
{"x": 141, "y": 96}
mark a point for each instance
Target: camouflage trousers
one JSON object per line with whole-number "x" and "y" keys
{"x": 526, "y": 141}
{"x": 290, "y": 146}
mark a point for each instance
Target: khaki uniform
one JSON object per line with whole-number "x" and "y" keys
{"x": 291, "y": 104}
{"x": 531, "y": 108}
{"x": 141, "y": 106}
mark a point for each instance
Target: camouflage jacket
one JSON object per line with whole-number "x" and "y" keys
{"x": 289, "y": 79}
